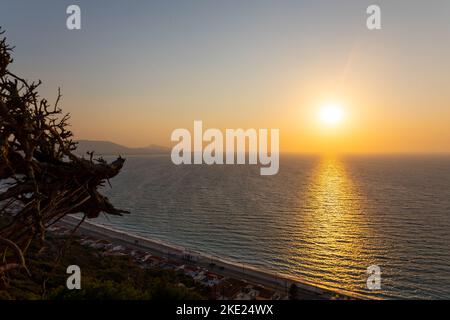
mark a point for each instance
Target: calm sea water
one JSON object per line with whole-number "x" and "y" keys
{"x": 322, "y": 219}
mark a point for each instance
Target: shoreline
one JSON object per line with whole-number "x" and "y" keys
{"x": 221, "y": 266}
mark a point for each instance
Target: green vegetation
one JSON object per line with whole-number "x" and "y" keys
{"x": 102, "y": 277}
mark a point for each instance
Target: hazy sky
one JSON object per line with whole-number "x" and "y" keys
{"x": 139, "y": 69}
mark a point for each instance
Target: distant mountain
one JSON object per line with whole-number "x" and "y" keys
{"x": 111, "y": 148}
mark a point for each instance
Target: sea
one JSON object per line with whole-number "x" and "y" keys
{"x": 327, "y": 220}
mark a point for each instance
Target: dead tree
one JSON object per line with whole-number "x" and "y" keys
{"x": 41, "y": 178}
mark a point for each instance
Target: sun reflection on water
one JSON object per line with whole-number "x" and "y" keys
{"x": 333, "y": 223}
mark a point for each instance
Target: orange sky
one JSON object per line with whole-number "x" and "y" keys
{"x": 142, "y": 70}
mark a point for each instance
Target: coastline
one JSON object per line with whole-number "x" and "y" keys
{"x": 220, "y": 266}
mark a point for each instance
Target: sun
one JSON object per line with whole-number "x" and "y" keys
{"x": 331, "y": 114}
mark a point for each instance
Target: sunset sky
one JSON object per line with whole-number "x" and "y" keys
{"x": 137, "y": 70}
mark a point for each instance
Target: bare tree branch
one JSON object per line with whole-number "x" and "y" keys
{"x": 46, "y": 179}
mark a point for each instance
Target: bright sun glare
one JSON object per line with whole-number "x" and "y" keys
{"x": 331, "y": 114}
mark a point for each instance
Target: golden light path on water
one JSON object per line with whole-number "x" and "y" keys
{"x": 320, "y": 220}
{"x": 332, "y": 223}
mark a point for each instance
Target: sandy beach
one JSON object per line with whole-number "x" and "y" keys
{"x": 249, "y": 274}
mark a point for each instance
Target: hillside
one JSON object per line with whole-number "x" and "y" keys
{"x": 111, "y": 148}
